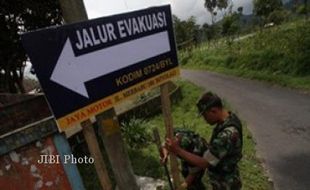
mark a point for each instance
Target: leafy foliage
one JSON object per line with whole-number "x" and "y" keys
{"x": 214, "y": 5}
{"x": 210, "y": 32}
{"x": 278, "y": 16}
{"x": 135, "y": 133}
{"x": 304, "y": 8}
{"x": 186, "y": 31}
{"x": 230, "y": 24}
{"x": 210, "y": 5}
{"x": 17, "y": 17}
{"x": 263, "y": 8}
{"x": 230, "y": 27}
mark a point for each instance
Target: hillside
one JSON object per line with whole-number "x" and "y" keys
{"x": 279, "y": 54}
{"x": 289, "y": 4}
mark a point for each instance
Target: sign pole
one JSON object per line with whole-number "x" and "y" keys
{"x": 73, "y": 11}
{"x": 117, "y": 153}
{"x": 91, "y": 139}
{"x": 166, "y": 109}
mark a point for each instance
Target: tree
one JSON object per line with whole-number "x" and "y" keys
{"x": 306, "y": 8}
{"x": 230, "y": 24}
{"x": 278, "y": 16}
{"x": 213, "y": 6}
{"x": 186, "y": 31}
{"x": 303, "y": 9}
{"x": 230, "y": 27}
{"x": 210, "y": 5}
{"x": 180, "y": 34}
{"x": 17, "y": 17}
{"x": 240, "y": 10}
{"x": 263, "y": 8}
{"x": 222, "y": 4}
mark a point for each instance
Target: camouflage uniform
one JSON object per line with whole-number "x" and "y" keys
{"x": 224, "y": 153}
{"x": 193, "y": 143}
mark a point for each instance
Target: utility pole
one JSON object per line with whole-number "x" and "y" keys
{"x": 74, "y": 11}
{"x": 112, "y": 139}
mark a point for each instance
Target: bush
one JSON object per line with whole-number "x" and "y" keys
{"x": 135, "y": 133}
{"x": 278, "y": 16}
{"x": 301, "y": 45}
{"x": 302, "y": 9}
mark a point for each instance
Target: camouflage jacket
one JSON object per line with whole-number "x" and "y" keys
{"x": 191, "y": 142}
{"x": 225, "y": 148}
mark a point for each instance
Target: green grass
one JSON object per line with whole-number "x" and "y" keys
{"x": 279, "y": 55}
{"x": 145, "y": 161}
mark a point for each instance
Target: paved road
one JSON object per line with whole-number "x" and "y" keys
{"x": 278, "y": 118}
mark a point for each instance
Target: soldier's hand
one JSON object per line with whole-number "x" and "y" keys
{"x": 163, "y": 155}
{"x": 172, "y": 145}
{"x": 183, "y": 186}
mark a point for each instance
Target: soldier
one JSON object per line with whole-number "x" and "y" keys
{"x": 191, "y": 142}
{"x": 225, "y": 147}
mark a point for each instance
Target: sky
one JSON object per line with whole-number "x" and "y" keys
{"x": 181, "y": 8}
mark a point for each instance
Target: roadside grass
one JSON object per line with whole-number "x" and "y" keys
{"x": 279, "y": 55}
{"x": 145, "y": 161}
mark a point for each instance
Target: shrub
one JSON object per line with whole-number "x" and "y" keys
{"x": 135, "y": 133}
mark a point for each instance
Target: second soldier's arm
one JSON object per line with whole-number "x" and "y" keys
{"x": 173, "y": 147}
{"x": 219, "y": 148}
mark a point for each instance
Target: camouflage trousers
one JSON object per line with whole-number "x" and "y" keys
{"x": 226, "y": 182}
{"x": 197, "y": 183}
{"x": 197, "y": 186}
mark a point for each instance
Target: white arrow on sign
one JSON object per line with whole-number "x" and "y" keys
{"x": 73, "y": 71}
